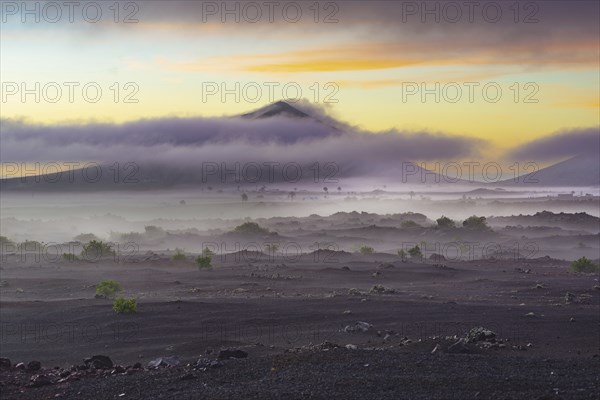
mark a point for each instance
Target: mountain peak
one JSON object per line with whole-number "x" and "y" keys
{"x": 277, "y": 109}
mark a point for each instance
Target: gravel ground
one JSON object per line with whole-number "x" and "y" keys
{"x": 337, "y": 374}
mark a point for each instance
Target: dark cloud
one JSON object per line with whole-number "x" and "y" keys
{"x": 569, "y": 143}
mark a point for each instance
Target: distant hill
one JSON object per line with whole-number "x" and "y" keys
{"x": 576, "y": 171}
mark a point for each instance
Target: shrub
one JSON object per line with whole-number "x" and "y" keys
{"x": 97, "y": 249}
{"x": 179, "y": 255}
{"x": 251, "y": 227}
{"x": 366, "y": 250}
{"x": 409, "y": 224}
{"x": 204, "y": 262}
{"x": 476, "y": 223}
{"x": 445, "y": 223}
{"x": 584, "y": 265}
{"x": 122, "y": 305}
{"x": 415, "y": 252}
{"x": 108, "y": 288}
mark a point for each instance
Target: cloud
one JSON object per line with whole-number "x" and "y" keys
{"x": 568, "y": 143}
{"x": 186, "y": 143}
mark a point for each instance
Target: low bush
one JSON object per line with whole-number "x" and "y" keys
{"x": 584, "y": 265}
{"x": 108, "y": 288}
{"x": 122, "y": 305}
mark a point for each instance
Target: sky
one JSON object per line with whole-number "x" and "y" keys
{"x": 498, "y": 75}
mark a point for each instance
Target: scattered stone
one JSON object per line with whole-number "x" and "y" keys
{"x": 99, "y": 362}
{"x": 354, "y": 292}
{"x": 570, "y": 298}
{"x": 481, "y": 334}
{"x": 226, "y": 354}
{"x": 460, "y": 347}
{"x": 5, "y": 362}
{"x": 530, "y": 315}
{"x": 170, "y": 361}
{"x": 19, "y": 290}
{"x": 359, "y": 326}
{"x": 572, "y": 319}
{"x": 40, "y": 380}
{"x": 375, "y": 274}
{"x": 347, "y": 312}
{"x": 346, "y": 268}
{"x": 351, "y": 346}
{"x": 540, "y": 286}
{"x": 20, "y": 366}
{"x": 380, "y": 289}
{"x": 205, "y": 363}
{"x": 436, "y": 349}
{"x": 34, "y": 366}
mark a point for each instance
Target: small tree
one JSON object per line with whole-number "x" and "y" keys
{"x": 584, "y": 265}
{"x": 107, "y": 288}
{"x": 476, "y": 223}
{"x": 204, "y": 262}
{"x": 445, "y": 223}
{"x": 415, "y": 252}
{"x": 122, "y": 305}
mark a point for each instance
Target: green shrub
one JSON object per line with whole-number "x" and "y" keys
{"x": 584, "y": 265}
{"x": 251, "y": 227}
{"x": 97, "y": 249}
{"x": 415, "y": 252}
{"x": 179, "y": 255}
{"x": 122, "y": 305}
{"x": 108, "y": 288}
{"x": 476, "y": 223}
{"x": 445, "y": 223}
{"x": 366, "y": 249}
{"x": 204, "y": 262}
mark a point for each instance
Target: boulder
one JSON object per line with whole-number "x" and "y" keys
{"x": 99, "y": 362}
{"x": 34, "y": 366}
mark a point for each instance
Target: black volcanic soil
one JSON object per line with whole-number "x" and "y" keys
{"x": 277, "y": 311}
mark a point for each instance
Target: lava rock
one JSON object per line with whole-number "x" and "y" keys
{"x": 170, "y": 361}
{"x": 481, "y": 334}
{"x": 40, "y": 380}
{"x": 460, "y": 347}
{"x": 34, "y": 366}
{"x": 99, "y": 362}
{"x": 226, "y": 354}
